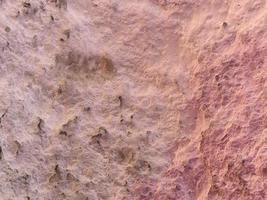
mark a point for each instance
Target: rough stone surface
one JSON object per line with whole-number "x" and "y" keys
{"x": 133, "y": 100}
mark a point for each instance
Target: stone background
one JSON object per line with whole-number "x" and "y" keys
{"x": 133, "y": 100}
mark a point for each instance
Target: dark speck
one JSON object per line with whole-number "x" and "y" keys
{"x": 59, "y": 91}
{"x": 26, "y": 4}
{"x": 120, "y": 100}
{"x": 7, "y": 29}
{"x": 63, "y": 133}
{"x": 264, "y": 171}
{"x": 217, "y": 77}
{"x": 87, "y": 109}
{"x": 1, "y": 153}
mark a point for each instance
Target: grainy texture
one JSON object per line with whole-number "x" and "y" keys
{"x": 133, "y": 100}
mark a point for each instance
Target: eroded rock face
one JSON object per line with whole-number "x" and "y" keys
{"x": 133, "y": 100}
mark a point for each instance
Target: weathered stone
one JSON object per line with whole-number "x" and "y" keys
{"x": 133, "y": 100}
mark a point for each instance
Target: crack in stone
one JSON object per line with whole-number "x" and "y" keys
{"x": 2, "y": 116}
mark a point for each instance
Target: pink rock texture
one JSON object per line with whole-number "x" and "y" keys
{"x": 133, "y": 100}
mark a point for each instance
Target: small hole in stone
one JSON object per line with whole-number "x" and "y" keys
{"x": 87, "y": 109}
{"x": 59, "y": 91}
{"x": 264, "y": 171}
{"x": 217, "y": 77}
{"x": 67, "y": 33}
{"x": 7, "y": 29}
{"x": 26, "y": 4}
{"x": 120, "y": 100}
{"x": 63, "y": 133}
{"x": 1, "y": 153}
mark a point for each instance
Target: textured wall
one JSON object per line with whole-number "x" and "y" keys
{"x": 133, "y": 100}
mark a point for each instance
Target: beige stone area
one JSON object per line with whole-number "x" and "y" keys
{"x": 133, "y": 100}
